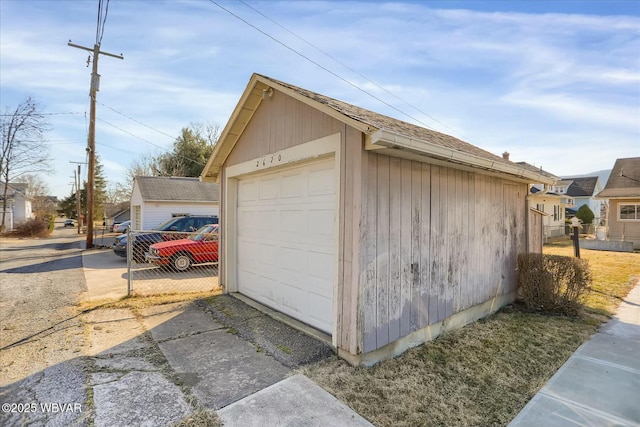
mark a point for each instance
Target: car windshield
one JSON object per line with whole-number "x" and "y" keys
{"x": 206, "y": 233}
{"x": 164, "y": 226}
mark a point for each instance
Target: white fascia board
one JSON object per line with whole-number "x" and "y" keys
{"x": 385, "y": 138}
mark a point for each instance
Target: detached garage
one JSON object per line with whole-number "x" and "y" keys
{"x": 379, "y": 233}
{"x": 156, "y": 199}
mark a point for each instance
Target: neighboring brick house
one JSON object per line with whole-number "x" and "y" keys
{"x": 623, "y": 192}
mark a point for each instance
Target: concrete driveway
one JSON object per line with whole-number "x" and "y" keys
{"x": 107, "y": 277}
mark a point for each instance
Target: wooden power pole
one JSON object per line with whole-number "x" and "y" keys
{"x": 91, "y": 149}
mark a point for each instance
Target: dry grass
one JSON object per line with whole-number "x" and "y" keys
{"x": 613, "y": 275}
{"x": 138, "y": 302}
{"x": 201, "y": 418}
{"x": 484, "y": 373}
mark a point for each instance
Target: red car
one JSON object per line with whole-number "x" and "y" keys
{"x": 180, "y": 255}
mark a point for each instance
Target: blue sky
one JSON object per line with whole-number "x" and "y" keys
{"x": 555, "y": 83}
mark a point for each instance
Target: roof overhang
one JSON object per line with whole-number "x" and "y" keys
{"x": 257, "y": 90}
{"x": 394, "y": 144}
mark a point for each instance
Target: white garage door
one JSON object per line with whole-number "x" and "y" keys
{"x": 286, "y": 250}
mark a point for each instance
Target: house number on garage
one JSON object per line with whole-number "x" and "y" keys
{"x": 269, "y": 160}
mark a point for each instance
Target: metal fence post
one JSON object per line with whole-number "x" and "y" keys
{"x": 129, "y": 255}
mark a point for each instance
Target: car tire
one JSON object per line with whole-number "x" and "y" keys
{"x": 181, "y": 261}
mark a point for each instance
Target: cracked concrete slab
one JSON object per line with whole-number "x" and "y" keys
{"x": 113, "y": 331}
{"x": 139, "y": 399}
{"x": 177, "y": 320}
{"x": 220, "y": 367}
{"x": 124, "y": 363}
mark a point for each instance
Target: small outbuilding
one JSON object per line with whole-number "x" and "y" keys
{"x": 156, "y": 199}
{"x": 377, "y": 232}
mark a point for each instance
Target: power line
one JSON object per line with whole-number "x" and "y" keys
{"x": 137, "y": 121}
{"x": 345, "y": 65}
{"x": 320, "y": 65}
{"x": 151, "y": 143}
{"x": 42, "y": 114}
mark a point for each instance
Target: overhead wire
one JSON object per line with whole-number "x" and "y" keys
{"x": 321, "y": 66}
{"x": 137, "y": 121}
{"x": 346, "y": 66}
{"x": 151, "y": 143}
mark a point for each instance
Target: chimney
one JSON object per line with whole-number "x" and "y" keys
{"x": 505, "y": 155}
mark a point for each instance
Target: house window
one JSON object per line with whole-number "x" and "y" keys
{"x": 556, "y": 214}
{"x": 629, "y": 212}
{"x": 540, "y": 207}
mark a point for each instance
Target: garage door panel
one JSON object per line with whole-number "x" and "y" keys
{"x": 247, "y": 221}
{"x": 247, "y": 251}
{"x": 292, "y": 186}
{"x": 321, "y": 265}
{"x": 293, "y": 221}
{"x": 247, "y": 190}
{"x": 321, "y": 182}
{"x": 286, "y": 255}
{"x": 296, "y": 259}
{"x": 321, "y": 309}
{"x": 268, "y": 189}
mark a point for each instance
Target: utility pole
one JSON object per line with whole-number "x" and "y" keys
{"x": 91, "y": 149}
{"x": 78, "y": 204}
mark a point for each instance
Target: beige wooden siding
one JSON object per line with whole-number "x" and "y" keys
{"x": 623, "y": 230}
{"x": 535, "y": 232}
{"x": 281, "y": 122}
{"x": 435, "y": 241}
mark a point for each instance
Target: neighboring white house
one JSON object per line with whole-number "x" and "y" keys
{"x": 19, "y": 205}
{"x": 548, "y": 200}
{"x": 583, "y": 191}
{"x": 155, "y": 200}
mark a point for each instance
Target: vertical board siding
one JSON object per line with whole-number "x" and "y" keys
{"x": 395, "y": 245}
{"x": 416, "y": 205}
{"x": 382, "y": 249}
{"x": 406, "y": 241}
{"x": 425, "y": 246}
{"x": 444, "y": 241}
{"x": 369, "y": 241}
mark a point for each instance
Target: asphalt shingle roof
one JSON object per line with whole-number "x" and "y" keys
{"x": 161, "y": 188}
{"x": 582, "y": 186}
{"x": 624, "y": 180}
{"x": 381, "y": 121}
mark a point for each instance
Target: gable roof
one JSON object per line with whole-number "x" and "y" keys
{"x": 172, "y": 189}
{"x": 582, "y": 186}
{"x": 381, "y": 132}
{"x": 624, "y": 180}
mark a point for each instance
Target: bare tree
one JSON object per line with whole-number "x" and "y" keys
{"x": 24, "y": 149}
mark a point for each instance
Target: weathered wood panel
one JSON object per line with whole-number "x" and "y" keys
{"x": 416, "y": 205}
{"x": 459, "y": 235}
{"x": 369, "y": 242}
{"x": 382, "y": 251}
{"x": 395, "y": 245}
{"x": 535, "y": 232}
{"x": 351, "y": 198}
{"x": 406, "y": 242}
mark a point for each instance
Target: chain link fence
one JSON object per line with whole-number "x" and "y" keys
{"x": 171, "y": 262}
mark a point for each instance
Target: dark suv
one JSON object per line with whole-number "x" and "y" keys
{"x": 142, "y": 240}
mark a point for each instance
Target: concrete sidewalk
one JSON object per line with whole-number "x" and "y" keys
{"x": 599, "y": 385}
